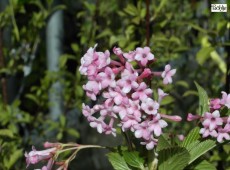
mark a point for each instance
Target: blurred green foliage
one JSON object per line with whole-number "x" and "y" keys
{"x": 183, "y": 33}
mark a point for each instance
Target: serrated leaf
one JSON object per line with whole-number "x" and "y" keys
{"x": 162, "y": 143}
{"x": 204, "y": 165}
{"x": 201, "y": 149}
{"x": 192, "y": 137}
{"x": 117, "y": 161}
{"x": 133, "y": 159}
{"x": 203, "y": 100}
{"x": 192, "y": 145}
{"x": 175, "y": 158}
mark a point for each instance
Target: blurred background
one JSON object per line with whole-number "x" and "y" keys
{"x": 42, "y": 41}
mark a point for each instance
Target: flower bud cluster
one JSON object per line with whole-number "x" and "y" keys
{"x": 122, "y": 93}
{"x": 213, "y": 124}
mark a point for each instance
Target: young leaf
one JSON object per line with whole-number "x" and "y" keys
{"x": 117, "y": 161}
{"x": 192, "y": 136}
{"x": 133, "y": 159}
{"x": 201, "y": 149}
{"x": 203, "y": 100}
{"x": 173, "y": 158}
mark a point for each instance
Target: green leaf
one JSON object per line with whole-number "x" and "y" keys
{"x": 117, "y": 161}
{"x": 167, "y": 100}
{"x": 175, "y": 158}
{"x": 219, "y": 61}
{"x": 204, "y": 165}
{"x": 131, "y": 10}
{"x": 203, "y": 54}
{"x": 183, "y": 84}
{"x": 73, "y": 132}
{"x": 62, "y": 120}
{"x": 13, "y": 158}
{"x": 190, "y": 92}
{"x": 75, "y": 47}
{"x": 133, "y": 159}
{"x": 203, "y": 100}
{"x": 6, "y": 133}
{"x": 162, "y": 143}
{"x": 192, "y": 137}
{"x": 201, "y": 149}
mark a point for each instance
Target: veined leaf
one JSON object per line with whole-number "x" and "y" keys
{"x": 117, "y": 161}
{"x": 192, "y": 137}
{"x": 203, "y": 100}
{"x": 204, "y": 165}
{"x": 134, "y": 160}
{"x": 201, "y": 149}
{"x": 162, "y": 143}
{"x": 173, "y": 158}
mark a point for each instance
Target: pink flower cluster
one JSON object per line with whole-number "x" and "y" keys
{"x": 123, "y": 95}
{"x": 213, "y": 124}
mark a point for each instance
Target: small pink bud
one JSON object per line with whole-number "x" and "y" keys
{"x": 51, "y": 145}
{"x": 180, "y": 137}
{"x": 173, "y": 118}
{"x": 192, "y": 117}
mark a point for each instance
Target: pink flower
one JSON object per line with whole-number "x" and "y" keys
{"x": 121, "y": 109}
{"x": 142, "y": 92}
{"x": 134, "y": 108}
{"x": 150, "y": 106}
{"x": 129, "y": 121}
{"x": 142, "y": 131}
{"x": 207, "y": 132}
{"x": 143, "y": 55}
{"x": 116, "y": 95}
{"x": 109, "y": 128}
{"x": 106, "y": 78}
{"x": 35, "y": 156}
{"x": 222, "y": 133}
{"x": 130, "y": 56}
{"x": 87, "y": 60}
{"x": 161, "y": 94}
{"x": 225, "y": 99}
{"x": 212, "y": 120}
{"x": 117, "y": 51}
{"x": 103, "y": 59}
{"x": 127, "y": 83}
{"x": 215, "y": 104}
{"x": 150, "y": 143}
{"x": 156, "y": 124}
{"x": 93, "y": 61}
{"x": 167, "y": 74}
{"x": 99, "y": 124}
{"x": 92, "y": 88}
